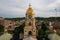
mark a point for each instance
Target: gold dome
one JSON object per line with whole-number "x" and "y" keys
{"x": 30, "y": 10}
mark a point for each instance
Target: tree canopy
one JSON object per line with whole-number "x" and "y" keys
{"x": 1, "y": 28}
{"x": 19, "y": 29}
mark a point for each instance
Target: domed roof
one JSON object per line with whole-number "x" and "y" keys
{"x": 30, "y": 10}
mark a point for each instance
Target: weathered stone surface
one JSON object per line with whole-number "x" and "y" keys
{"x": 29, "y": 38}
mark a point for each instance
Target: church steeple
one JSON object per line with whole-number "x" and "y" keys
{"x": 29, "y": 5}
{"x": 30, "y": 28}
{"x": 30, "y": 10}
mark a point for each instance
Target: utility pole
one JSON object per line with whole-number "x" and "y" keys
{"x": 56, "y": 14}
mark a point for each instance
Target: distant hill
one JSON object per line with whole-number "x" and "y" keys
{"x": 14, "y": 19}
{"x": 37, "y": 18}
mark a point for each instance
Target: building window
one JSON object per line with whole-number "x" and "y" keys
{"x": 29, "y": 23}
{"x": 34, "y": 30}
{"x": 25, "y": 31}
{"x": 30, "y": 33}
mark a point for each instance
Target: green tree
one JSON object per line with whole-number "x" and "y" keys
{"x": 43, "y": 29}
{"x": 19, "y": 29}
{"x": 40, "y": 32}
{"x": 1, "y": 28}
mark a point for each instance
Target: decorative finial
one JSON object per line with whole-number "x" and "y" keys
{"x": 29, "y": 5}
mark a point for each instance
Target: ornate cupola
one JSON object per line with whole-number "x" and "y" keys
{"x": 30, "y": 10}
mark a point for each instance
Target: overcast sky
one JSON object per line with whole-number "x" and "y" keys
{"x": 17, "y": 8}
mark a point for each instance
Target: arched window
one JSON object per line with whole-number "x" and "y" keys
{"x": 30, "y": 33}
{"x": 29, "y": 23}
